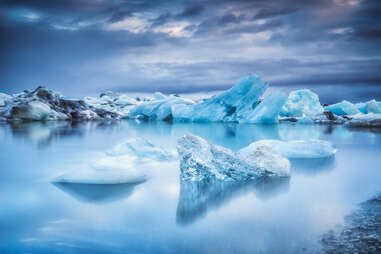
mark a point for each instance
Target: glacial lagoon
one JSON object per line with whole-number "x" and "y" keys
{"x": 164, "y": 214}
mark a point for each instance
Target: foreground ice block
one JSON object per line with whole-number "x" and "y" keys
{"x": 302, "y": 103}
{"x": 200, "y": 159}
{"x": 344, "y": 108}
{"x": 294, "y": 149}
{"x": 267, "y": 111}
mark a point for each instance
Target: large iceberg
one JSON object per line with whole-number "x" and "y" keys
{"x": 344, "y": 108}
{"x": 302, "y": 103}
{"x": 200, "y": 159}
{"x": 267, "y": 111}
{"x": 294, "y": 148}
{"x": 231, "y": 105}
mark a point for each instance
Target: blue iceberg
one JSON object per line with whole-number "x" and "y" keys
{"x": 232, "y": 105}
{"x": 301, "y": 103}
{"x": 267, "y": 111}
{"x": 344, "y": 108}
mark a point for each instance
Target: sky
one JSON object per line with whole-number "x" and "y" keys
{"x": 82, "y": 47}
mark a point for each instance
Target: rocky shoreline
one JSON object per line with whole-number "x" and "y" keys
{"x": 361, "y": 232}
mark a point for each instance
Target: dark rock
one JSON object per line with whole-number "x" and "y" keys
{"x": 330, "y": 116}
{"x": 361, "y": 232}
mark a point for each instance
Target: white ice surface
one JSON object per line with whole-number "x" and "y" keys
{"x": 294, "y": 148}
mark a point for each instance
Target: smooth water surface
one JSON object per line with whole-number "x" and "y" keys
{"x": 163, "y": 214}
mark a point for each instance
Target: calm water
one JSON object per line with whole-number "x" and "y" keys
{"x": 164, "y": 215}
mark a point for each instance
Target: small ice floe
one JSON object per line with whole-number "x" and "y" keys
{"x": 125, "y": 163}
{"x": 294, "y": 149}
{"x": 200, "y": 159}
{"x": 141, "y": 149}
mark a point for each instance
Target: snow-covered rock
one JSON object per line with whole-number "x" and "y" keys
{"x": 365, "y": 120}
{"x": 114, "y": 102}
{"x": 344, "y": 108}
{"x": 267, "y": 111}
{"x": 302, "y": 103}
{"x": 44, "y": 105}
{"x": 200, "y": 159}
{"x": 294, "y": 148}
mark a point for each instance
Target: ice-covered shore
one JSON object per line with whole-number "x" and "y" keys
{"x": 243, "y": 103}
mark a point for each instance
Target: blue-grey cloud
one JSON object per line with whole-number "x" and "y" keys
{"x": 83, "y": 46}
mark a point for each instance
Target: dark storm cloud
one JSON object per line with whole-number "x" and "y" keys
{"x": 82, "y": 46}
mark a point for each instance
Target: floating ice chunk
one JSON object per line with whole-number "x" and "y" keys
{"x": 343, "y": 108}
{"x": 102, "y": 176}
{"x": 268, "y": 160}
{"x": 141, "y": 148}
{"x": 371, "y": 106}
{"x": 365, "y": 120}
{"x": 302, "y": 103}
{"x": 200, "y": 159}
{"x": 123, "y": 164}
{"x": 267, "y": 111}
{"x": 158, "y": 109}
{"x": 233, "y": 104}
{"x": 294, "y": 149}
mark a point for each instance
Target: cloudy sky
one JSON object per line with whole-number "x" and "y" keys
{"x": 86, "y": 46}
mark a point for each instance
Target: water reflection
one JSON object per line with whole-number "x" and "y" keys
{"x": 312, "y": 166}
{"x": 97, "y": 193}
{"x": 198, "y": 197}
{"x": 43, "y": 134}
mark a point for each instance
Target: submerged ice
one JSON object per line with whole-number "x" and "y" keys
{"x": 200, "y": 159}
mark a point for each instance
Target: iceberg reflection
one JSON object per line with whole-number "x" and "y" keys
{"x": 97, "y": 193}
{"x": 44, "y": 134}
{"x": 198, "y": 197}
{"x": 312, "y": 166}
